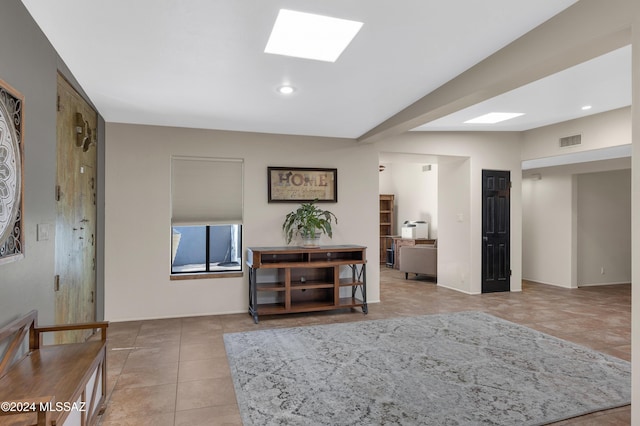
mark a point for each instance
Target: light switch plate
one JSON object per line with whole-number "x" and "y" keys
{"x": 44, "y": 231}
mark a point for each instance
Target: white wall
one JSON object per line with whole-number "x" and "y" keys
{"x": 137, "y": 212}
{"x": 485, "y": 150}
{"x": 604, "y": 227}
{"x": 416, "y": 193}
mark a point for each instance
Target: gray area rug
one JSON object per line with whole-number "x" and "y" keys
{"x": 466, "y": 368}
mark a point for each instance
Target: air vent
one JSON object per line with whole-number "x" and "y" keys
{"x": 570, "y": 141}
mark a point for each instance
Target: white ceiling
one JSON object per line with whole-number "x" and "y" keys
{"x": 200, "y": 63}
{"x": 604, "y": 83}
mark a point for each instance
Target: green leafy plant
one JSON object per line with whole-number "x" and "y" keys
{"x": 307, "y": 221}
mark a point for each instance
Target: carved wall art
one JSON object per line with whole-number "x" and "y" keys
{"x": 11, "y": 188}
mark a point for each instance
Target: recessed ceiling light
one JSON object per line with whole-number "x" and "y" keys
{"x": 286, "y": 90}
{"x": 494, "y": 117}
{"x": 310, "y": 36}
{"x": 586, "y": 107}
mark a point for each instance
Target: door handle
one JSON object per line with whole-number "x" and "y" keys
{"x": 485, "y": 239}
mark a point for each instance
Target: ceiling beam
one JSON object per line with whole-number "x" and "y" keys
{"x": 586, "y": 30}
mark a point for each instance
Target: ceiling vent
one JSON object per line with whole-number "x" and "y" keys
{"x": 570, "y": 141}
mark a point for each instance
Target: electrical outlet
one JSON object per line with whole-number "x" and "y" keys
{"x": 602, "y": 270}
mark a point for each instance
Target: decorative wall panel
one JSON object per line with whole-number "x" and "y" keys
{"x": 11, "y": 187}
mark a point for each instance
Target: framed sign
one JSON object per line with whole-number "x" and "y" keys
{"x": 302, "y": 184}
{"x": 11, "y": 188}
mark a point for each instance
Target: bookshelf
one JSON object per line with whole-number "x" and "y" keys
{"x": 387, "y": 222}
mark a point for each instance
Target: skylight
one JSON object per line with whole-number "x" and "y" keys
{"x": 310, "y": 36}
{"x": 494, "y": 117}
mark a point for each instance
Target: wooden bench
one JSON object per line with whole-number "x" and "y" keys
{"x": 48, "y": 385}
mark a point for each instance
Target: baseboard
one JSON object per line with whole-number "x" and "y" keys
{"x": 580, "y": 285}
{"x": 599, "y": 284}
{"x": 244, "y": 311}
{"x": 545, "y": 283}
{"x": 475, "y": 293}
{"x": 457, "y": 289}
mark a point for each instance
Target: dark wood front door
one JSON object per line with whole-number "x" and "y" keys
{"x": 496, "y": 268}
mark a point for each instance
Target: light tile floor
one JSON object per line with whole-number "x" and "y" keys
{"x": 175, "y": 371}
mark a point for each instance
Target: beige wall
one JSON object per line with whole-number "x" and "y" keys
{"x": 603, "y": 130}
{"x": 455, "y": 247}
{"x": 26, "y": 284}
{"x": 459, "y": 198}
{"x": 138, "y": 221}
{"x": 550, "y": 220}
{"x": 549, "y": 204}
{"x": 635, "y": 214}
{"x": 415, "y": 190}
{"x": 604, "y": 227}
{"x": 30, "y": 65}
{"x": 137, "y": 244}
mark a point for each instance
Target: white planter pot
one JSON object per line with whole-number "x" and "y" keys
{"x": 311, "y": 241}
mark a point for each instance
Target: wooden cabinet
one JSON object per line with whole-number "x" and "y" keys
{"x": 399, "y": 242}
{"x": 297, "y": 279}
{"x": 387, "y": 222}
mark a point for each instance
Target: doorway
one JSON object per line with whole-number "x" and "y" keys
{"x": 496, "y": 232}
{"x": 75, "y": 263}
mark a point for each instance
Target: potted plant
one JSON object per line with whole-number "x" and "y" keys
{"x": 310, "y": 222}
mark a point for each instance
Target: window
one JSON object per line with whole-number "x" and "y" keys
{"x": 208, "y": 248}
{"x": 206, "y": 215}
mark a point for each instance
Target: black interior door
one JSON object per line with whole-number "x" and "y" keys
{"x": 496, "y": 269}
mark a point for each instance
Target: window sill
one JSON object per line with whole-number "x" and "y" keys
{"x": 205, "y": 275}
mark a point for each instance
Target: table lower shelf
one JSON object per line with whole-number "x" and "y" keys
{"x": 298, "y": 307}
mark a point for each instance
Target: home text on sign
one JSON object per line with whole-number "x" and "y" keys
{"x": 302, "y": 179}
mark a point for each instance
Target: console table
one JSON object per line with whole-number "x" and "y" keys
{"x": 296, "y": 279}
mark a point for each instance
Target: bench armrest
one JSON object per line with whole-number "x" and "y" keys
{"x": 38, "y": 330}
{"x": 42, "y": 406}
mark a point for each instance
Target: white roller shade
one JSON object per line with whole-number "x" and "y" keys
{"x": 206, "y": 191}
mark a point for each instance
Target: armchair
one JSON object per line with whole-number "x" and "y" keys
{"x": 419, "y": 259}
